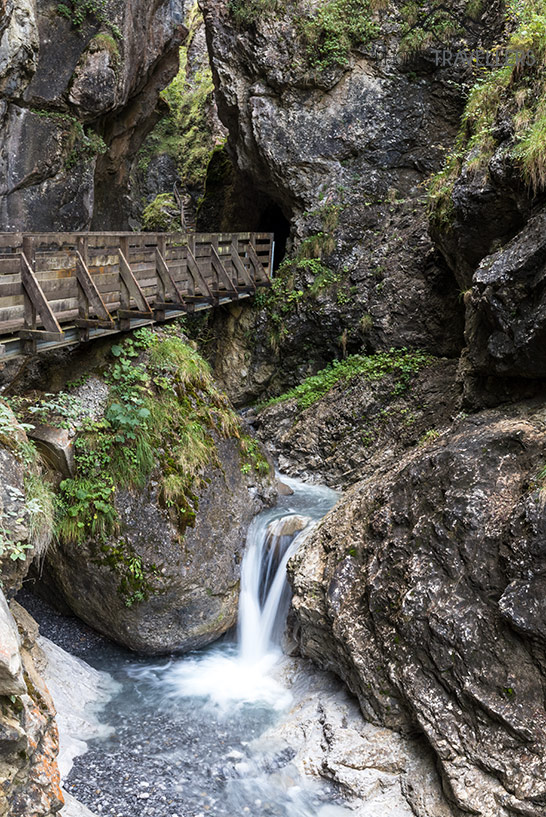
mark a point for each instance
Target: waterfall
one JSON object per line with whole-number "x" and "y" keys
{"x": 247, "y": 672}
{"x": 265, "y": 595}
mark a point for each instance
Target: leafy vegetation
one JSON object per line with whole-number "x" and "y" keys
{"x": 246, "y": 12}
{"x": 82, "y": 11}
{"x": 399, "y": 362}
{"x": 33, "y": 507}
{"x": 332, "y": 29}
{"x": 165, "y": 415}
{"x": 512, "y": 92}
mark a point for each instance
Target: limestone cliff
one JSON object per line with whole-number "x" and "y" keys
{"x": 339, "y": 120}
{"x": 424, "y": 590}
{"x": 79, "y": 87}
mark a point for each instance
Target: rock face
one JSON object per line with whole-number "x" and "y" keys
{"x": 342, "y": 154}
{"x": 343, "y": 436}
{"x": 423, "y": 590}
{"x": 81, "y": 111}
{"x": 506, "y": 318}
{"x": 194, "y": 587}
{"x": 29, "y": 777}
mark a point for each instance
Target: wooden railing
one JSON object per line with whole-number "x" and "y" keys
{"x": 63, "y": 288}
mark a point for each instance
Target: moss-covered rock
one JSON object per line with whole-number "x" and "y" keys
{"x": 152, "y": 526}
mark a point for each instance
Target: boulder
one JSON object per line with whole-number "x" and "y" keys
{"x": 11, "y": 668}
{"x": 506, "y": 313}
{"x": 423, "y": 589}
{"x": 192, "y": 579}
{"x": 153, "y": 559}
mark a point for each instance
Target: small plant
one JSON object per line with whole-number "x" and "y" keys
{"x": 246, "y": 12}
{"x": 333, "y": 28}
{"x": 429, "y": 436}
{"x": 81, "y": 11}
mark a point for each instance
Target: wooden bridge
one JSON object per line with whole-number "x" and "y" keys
{"x": 58, "y": 289}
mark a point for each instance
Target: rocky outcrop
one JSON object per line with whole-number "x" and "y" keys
{"x": 82, "y": 110}
{"x": 154, "y": 515}
{"x": 506, "y": 314}
{"x": 29, "y": 776}
{"x": 423, "y": 590}
{"x": 324, "y": 737}
{"x": 342, "y": 436}
{"x": 342, "y": 151}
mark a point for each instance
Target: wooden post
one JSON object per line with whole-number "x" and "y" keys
{"x": 30, "y": 310}
{"x": 82, "y": 245}
{"x": 125, "y": 295}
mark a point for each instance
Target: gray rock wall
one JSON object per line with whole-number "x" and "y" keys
{"x": 75, "y": 104}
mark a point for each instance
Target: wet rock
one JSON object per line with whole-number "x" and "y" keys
{"x": 344, "y": 435}
{"x": 324, "y": 736}
{"x": 422, "y": 590}
{"x": 284, "y": 489}
{"x": 506, "y": 313}
{"x": 163, "y": 575}
{"x": 11, "y": 669}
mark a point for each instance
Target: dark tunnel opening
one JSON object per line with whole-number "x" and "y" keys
{"x": 273, "y": 220}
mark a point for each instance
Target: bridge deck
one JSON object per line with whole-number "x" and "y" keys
{"x": 58, "y": 289}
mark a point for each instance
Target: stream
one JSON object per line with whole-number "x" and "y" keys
{"x": 185, "y": 730}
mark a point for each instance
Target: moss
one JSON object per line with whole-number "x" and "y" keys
{"x": 162, "y": 215}
{"x": 105, "y": 42}
{"x": 399, "y": 362}
{"x": 166, "y": 417}
{"x": 185, "y": 132}
{"x": 514, "y": 92}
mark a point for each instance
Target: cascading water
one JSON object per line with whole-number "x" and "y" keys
{"x": 265, "y": 595}
{"x": 243, "y": 672}
{"x": 185, "y": 733}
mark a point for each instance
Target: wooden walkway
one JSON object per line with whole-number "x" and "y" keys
{"x": 59, "y": 289}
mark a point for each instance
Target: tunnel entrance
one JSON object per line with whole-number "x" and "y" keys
{"x": 273, "y": 220}
{"x": 233, "y": 203}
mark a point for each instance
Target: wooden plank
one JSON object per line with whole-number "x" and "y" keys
{"x": 92, "y": 294}
{"x": 90, "y": 323}
{"x": 195, "y": 273}
{"x": 128, "y": 314}
{"x": 240, "y": 267}
{"x": 133, "y": 287}
{"x": 38, "y": 299}
{"x": 222, "y": 272}
{"x": 40, "y": 334}
{"x": 167, "y": 284}
{"x": 259, "y": 271}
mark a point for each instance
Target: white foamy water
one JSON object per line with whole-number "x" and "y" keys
{"x": 250, "y": 672}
